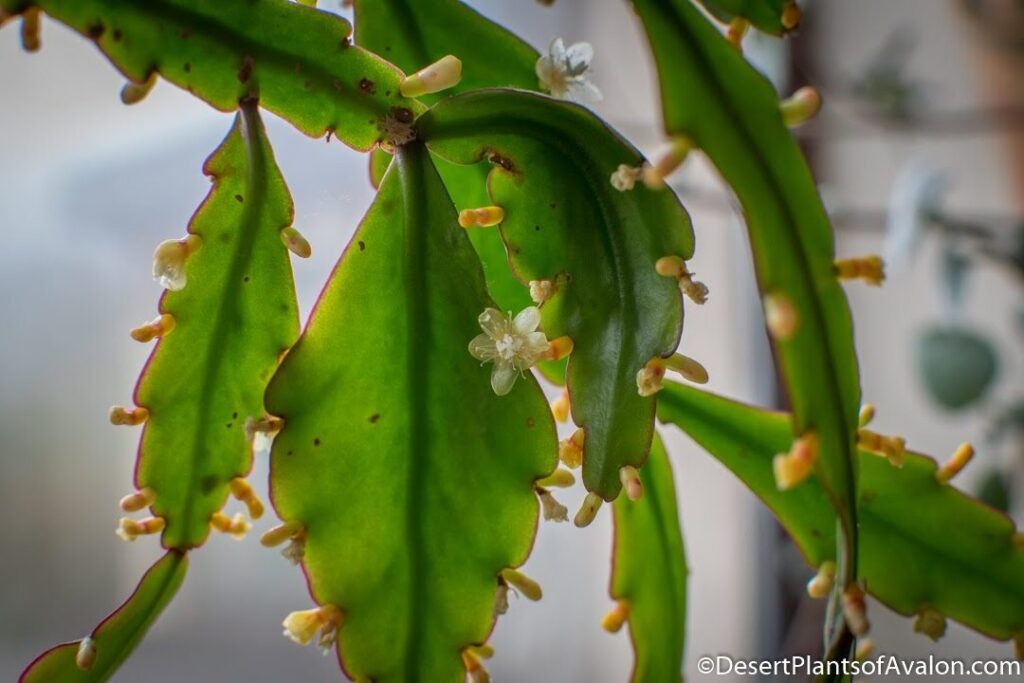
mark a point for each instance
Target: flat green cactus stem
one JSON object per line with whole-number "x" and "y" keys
{"x": 413, "y": 34}
{"x": 297, "y": 60}
{"x": 412, "y": 483}
{"x": 923, "y": 542}
{"x": 234, "y": 316}
{"x": 776, "y": 17}
{"x": 96, "y": 658}
{"x": 649, "y": 573}
{"x": 597, "y": 248}
{"x": 714, "y": 98}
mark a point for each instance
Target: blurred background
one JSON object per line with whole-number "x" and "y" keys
{"x": 920, "y": 153}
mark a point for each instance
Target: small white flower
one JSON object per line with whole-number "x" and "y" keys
{"x": 514, "y": 345}
{"x": 563, "y": 72}
{"x": 553, "y": 510}
{"x": 625, "y": 177}
{"x": 302, "y": 626}
{"x": 169, "y": 262}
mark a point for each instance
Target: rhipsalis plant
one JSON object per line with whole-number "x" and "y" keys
{"x": 512, "y": 229}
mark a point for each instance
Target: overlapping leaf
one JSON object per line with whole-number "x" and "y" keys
{"x": 118, "y": 634}
{"x": 235, "y": 316}
{"x": 713, "y": 96}
{"x": 922, "y": 542}
{"x": 299, "y": 61}
{"x": 565, "y": 222}
{"x": 413, "y": 34}
{"x": 649, "y": 572}
{"x": 412, "y": 479}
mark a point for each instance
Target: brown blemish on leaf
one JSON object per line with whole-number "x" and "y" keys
{"x": 95, "y": 31}
{"x": 316, "y": 441}
{"x": 245, "y": 72}
{"x": 362, "y": 245}
{"x": 367, "y": 86}
{"x": 530, "y": 422}
{"x": 117, "y": 35}
{"x": 374, "y": 418}
{"x": 188, "y": 68}
{"x": 239, "y": 198}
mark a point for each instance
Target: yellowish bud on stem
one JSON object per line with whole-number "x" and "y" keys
{"x": 541, "y": 290}
{"x": 236, "y": 527}
{"x": 930, "y": 622}
{"x": 130, "y": 417}
{"x": 588, "y": 511}
{"x": 952, "y": 467}
{"x": 169, "y": 261}
{"x": 870, "y": 269}
{"x": 794, "y": 467}
{"x": 791, "y": 15}
{"x": 484, "y": 217}
{"x": 801, "y": 107}
{"x": 614, "y": 619}
{"x": 855, "y": 610}
{"x": 891, "y": 447}
{"x": 139, "y": 500}
{"x": 526, "y": 586}
{"x": 558, "y": 348}
{"x": 570, "y": 451}
{"x": 442, "y": 74}
{"x": 158, "y": 327}
{"x": 129, "y": 529}
{"x": 738, "y": 28}
{"x": 561, "y": 407}
{"x": 31, "y": 24}
{"x": 821, "y": 583}
{"x": 242, "y": 491}
{"x": 281, "y": 533}
{"x": 85, "y": 658}
{"x": 654, "y": 176}
{"x": 295, "y": 242}
{"x": 867, "y": 414}
{"x": 133, "y": 93}
{"x": 559, "y": 479}
{"x": 674, "y": 266}
{"x": 781, "y": 316}
{"x": 484, "y": 651}
{"x": 630, "y": 479}
{"x": 474, "y": 667}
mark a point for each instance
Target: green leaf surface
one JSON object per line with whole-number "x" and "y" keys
{"x": 235, "y": 316}
{"x": 765, "y": 15}
{"x": 649, "y": 572}
{"x": 413, "y": 34}
{"x": 552, "y": 161}
{"x": 297, "y": 60}
{"x": 119, "y": 633}
{"x": 713, "y": 96}
{"x": 412, "y": 479}
{"x": 922, "y": 542}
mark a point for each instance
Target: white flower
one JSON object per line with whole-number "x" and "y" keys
{"x": 625, "y": 177}
{"x": 915, "y": 197}
{"x": 512, "y": 344}
{"x": 563, "y": 72}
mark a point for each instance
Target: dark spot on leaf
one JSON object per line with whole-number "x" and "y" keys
{"x": 208, "y": 483}
{"x": 362, "y": 245}
{"x": 245, "y": 279}
{"x": 367, "y": 86}
{"x": 387, "y": 48}
{"x": 95, "y": 31}
{"x": 536, "y": 228}
{"x": 530, "y": 422}
{"x": 245, "y": 72}
{"x": 345, "y": 42}
{"x": 815, "y": 532}
{"x": 234, "y": 416}
{"x": 316, "y": 441}
{"x": 239, "y": 198}
{"x": 866, "y": 496}
{"x": 188, "y": 68}
{"x": 289, "y": 452}
{"x": 387, "y": 93}
{"x": 117, "y": 35}
{"x": 499, "y": 160}
{"x": 186, "y": 34}
{"x": 553, "y": 205}
{"x": 374, "y": 418}
{"x": 401, "y": 114}
{"x": 308, "y": 84}
{"x": 229, "y": 425}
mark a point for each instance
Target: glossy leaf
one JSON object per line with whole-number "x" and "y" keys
{"x": 765, "y": 15}
{"x": 413, "y": 34}
{"x": 235, "y": 316}
{"x": 412, "y": 479}
{"x": 922, "y": 542}
{"x": 551, "y": 167}
{"x": 713, "y": 96}
{"x": 649, "y": 572}
{"x": 118, "y": 634}
{"x": 297, "y": 60}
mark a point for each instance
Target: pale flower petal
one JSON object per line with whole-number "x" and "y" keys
{"x": 527, "y": 321}
{"x": 583, "y": 92}
{"x": 493, "y": 322}
{"x": 578, "y": 58}
{"x": 503, "y": 377}
{"x": 482, "y": 348}
{"x": 556, "y": 51}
